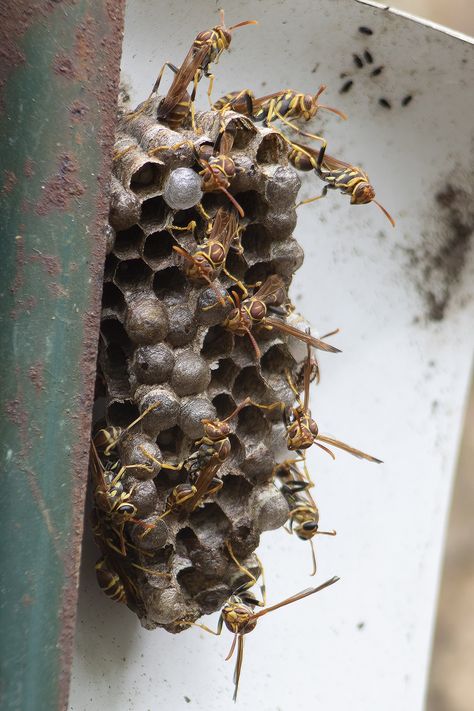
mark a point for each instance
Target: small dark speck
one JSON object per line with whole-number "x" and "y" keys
{"x": 345, "y": 87}
{"x": 432, "y": 363}
{"x": 315, "y": 68}
{"x": 361, "y": 625}
{"x": 342, "y": 75}
{"x": 434, "y": 405}
{"x": 386, "y": 104}
{"x": 357, "y": 61}
{"x": 187, "y": 699}
{"x": 375, "y": 72}
{"x": 407, "y": 100}
{"x": 366, "y": 30}
{"x": 368, "y": 57}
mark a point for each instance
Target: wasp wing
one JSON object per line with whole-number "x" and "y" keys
{"x": 272, "y": 291}
{"x": 182, "y": 79}
{"x": 292, "y": 331}
{"x": 347, "y": 448}
{"x": 238, "y": 664}
{"x": 224, "y": 226}
{"x": 295, "y": 598}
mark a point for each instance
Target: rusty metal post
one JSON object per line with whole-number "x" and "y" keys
{"x": 59, "y": 69}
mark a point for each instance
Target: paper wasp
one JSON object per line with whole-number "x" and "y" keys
{"x": 205, "y": 265}
{"x": 107, "y": 438}
{"x": 304, "y": 514}
{"x": 302, "y": 430}
{"x": 217, "y": 169}
{"x": 113, "y": 506}
{"x": 212, "y": 451}
{"x": 252, "y": 311}
{"x": 206, "y": 49}
{"x": 109, "y": 581}
{"x": 240, "y": 618}
{"x": 282, "y": 105}
{"x": 349, "y": 179}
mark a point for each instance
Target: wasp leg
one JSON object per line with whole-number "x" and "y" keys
{"x": 324, "y": 192}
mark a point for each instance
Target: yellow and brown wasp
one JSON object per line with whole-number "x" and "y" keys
{"x": 208, "y": 261}
{"x": 109, "y": 581}
{"x": 240, "y": 618}
{"x": 252, "y": 311}
{"x": 302, "y": 431}
{"x": 213, "y": 449}
{"x": 304, "y": 514}
{"x": 206, "y": 49}
{"x": 217, "y": 168}
{"x": 349, "y": 179}
{"x": 282, "y": 105}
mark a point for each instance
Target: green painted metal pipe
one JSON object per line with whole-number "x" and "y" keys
{"x": 59, "y": 69}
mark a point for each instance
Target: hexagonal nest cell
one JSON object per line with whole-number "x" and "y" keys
{"x": 165, "y": 351}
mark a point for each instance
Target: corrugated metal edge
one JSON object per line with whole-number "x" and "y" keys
{"x": 419, "y": 20}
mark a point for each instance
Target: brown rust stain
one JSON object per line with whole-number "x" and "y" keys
{"x": 20, "y": 262}
{"x": 78, "y": 110}
{"x": 9, "y": 181}
{"x": 85, "y": 48}
{"x": 28, "y": 168}
{"x": 49, "y": 262}
{"x": 36, "y": 375}
{"x": 63, "y": 66}
{"x": 62, "y": 187}
{"x": 15, "y": 20}
{"x": 102, "y": 90}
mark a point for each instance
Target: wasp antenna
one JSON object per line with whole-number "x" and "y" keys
{"x": 183, "y": 253}
{"x": 325, "y": 449}
{"x": 242, "y": 24}
{"x": 321, "y": 89}
{"x": 232, "y": 647}
{"x": 313, "y": 557}
{"x": 385, "y": 212}
{"x": 341, "y": 114}
{"x": 234, "y": 202}
{"x": 254, "y": 343}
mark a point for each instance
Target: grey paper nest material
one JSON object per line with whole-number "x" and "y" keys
{"x": 159, "y": 345}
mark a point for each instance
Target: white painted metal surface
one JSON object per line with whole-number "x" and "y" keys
{"x": 397, "y": 390}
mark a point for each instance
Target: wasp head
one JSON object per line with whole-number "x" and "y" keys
{"x": 309, "y": 106}
{"x": 238, "y": 321}
{"x": 362, "y": 194}
{"x": 201, "y": 268}
{"x": 237, "y": 616}
{"x": 216, "y": 430}
{"x": 302, "y": 430}
{"x": 309, "y": 528}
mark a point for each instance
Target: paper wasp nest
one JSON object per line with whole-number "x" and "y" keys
{"x": 159, "y": 345}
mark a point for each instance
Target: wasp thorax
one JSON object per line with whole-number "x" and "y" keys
{"x": 181, "y": 493}
{"x": 225, "y": 164}
{"x": 257, "y": 310}
{"x": 310, "y": 106}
